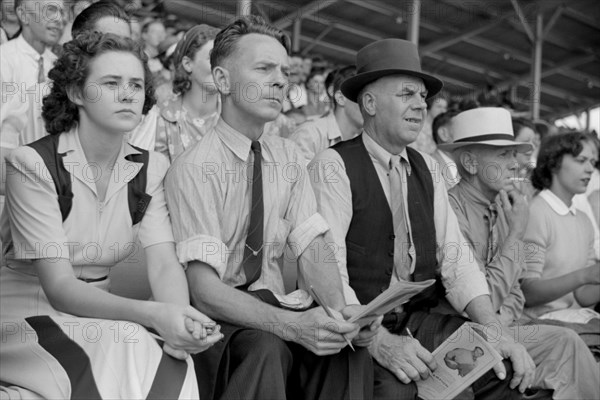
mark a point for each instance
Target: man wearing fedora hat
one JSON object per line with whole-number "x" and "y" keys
{"x": 388, "y": 211}
{"x": 493, "y": 216}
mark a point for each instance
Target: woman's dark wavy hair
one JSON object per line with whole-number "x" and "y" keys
{"x": 71, "y": 70}
{"x": 552, "y": 151}
{"x": 226, "y": 41}
{"x": 192, "y": 41}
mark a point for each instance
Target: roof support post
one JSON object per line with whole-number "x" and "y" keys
{"x": 413, "y": 21}
{"x": 536, "y": 72}
{"x": 588, "y": 119}
{"x": 244, "y": 7}
{"x": 296, "y": 31}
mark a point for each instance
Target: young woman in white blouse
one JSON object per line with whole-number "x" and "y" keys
{"x": 563, "y": 274}
{"x": 64, "y": 335}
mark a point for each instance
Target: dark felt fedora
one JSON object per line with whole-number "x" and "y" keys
{"x": 387, "y": 57}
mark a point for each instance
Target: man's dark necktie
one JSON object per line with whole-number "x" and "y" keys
{"x": 492, "y": 244}
{"x": 253, "y": 253}
{"x": 41, "y": 74}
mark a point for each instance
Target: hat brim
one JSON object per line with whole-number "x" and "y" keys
{"x": 352, "y": 86}
{"x": 521, "y": 146}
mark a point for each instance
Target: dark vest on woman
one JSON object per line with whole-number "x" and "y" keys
{"x": 370, "y": 238}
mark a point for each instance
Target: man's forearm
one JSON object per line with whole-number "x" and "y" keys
{"x": 480, "y": 310}
{"x": 224, "y": 303}
{"x": 320, "y": 269}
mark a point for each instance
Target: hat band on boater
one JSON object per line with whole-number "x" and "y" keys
{"x": 482, "y": 138}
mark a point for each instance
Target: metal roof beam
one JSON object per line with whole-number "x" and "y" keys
{"x": 550, "y": 71}
{"x": 524, "y": 24}
{"x": 388, "y": 9}
{"x": 330, "y": 46}
{"x": 316, "y": 41}
{"x": 304, "y": 11}
{"x": 467, "y": 64}
{"x": 459, "y": 36}
{"x": 555, "y": 16}
{"x": 344, "y": 26}
{"x": 581, "y": 17}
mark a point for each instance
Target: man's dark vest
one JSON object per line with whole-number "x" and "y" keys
{"x": 370, "y": 238}
{"x": 138, "y": 199}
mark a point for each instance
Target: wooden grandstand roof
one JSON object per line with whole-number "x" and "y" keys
{"x": 478, "y": 48}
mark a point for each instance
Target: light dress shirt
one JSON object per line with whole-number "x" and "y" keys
{"x": 21, "y": 93}
{"x": 97, "y": 234}
{"x": 209, "y": 194}
{"x": 314, "y": 136}
{"x": 504, "y": 267}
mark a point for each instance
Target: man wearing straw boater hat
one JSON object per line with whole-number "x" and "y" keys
{"x": 493, "y": 216}
{"x": 390, "y": 218}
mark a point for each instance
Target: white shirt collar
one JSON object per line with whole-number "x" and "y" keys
{"x": 381, "y": 155}
{"x": 26, "y": 48}
{"x": 556, "y": 203}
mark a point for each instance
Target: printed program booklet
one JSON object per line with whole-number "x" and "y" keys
{"x": 394, "y": 296}
{"x": 463, "y": 357}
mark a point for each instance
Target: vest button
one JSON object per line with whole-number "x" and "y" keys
{"x": 392, "y": 237}
{"x": 391, "y": 253}
{"x": 382, "y": 289}
{"x": 388, "y": 272}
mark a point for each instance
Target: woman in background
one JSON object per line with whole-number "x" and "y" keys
{"x": 64, "y": 334}
{"x": 195, "y": 108}
{"x": 563, "y": 275}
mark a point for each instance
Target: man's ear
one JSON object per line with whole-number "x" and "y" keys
{"x": 222, "y": 80}
{"x": 22, "y": 15}
{"x": 186, "y": 63}
{"x": 369, "y": 102}
{"x": 468, "y": 160}
{"x": 444, "y": 134}
{"x": 339, "y": 98}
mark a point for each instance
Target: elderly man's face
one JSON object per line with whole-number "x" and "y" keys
{"x": 399, "y": 109}
{"x": 496, "y": 166}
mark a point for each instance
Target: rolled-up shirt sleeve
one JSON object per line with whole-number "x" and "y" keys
{"x": 34, "y": 215}
{"x": 460, "y": 273}
{"x": 156, "y": 225}
{"x": 334, "y": 199}
{"x": 305, "y": 222}
{"x": 196, "y": 225}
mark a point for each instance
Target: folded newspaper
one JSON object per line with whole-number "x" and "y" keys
{"x": 461, "y": 359}
{"x": 396, "y": 295}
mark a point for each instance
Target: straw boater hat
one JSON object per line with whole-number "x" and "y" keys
{"x": 491, "y": 126}
{"x": 387, "y": 57}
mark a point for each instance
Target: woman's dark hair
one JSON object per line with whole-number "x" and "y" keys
{"x": 435, "y": 98}
{"x": 227, "y": 39}
{"x": 335, "y": 78}
{"x": 552, "y": 151}
{"x": 86, "y": 20}
{"x": 519, "y": 123}
{"x": 192, "y": 41}
{"x": 71, "y": 70}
